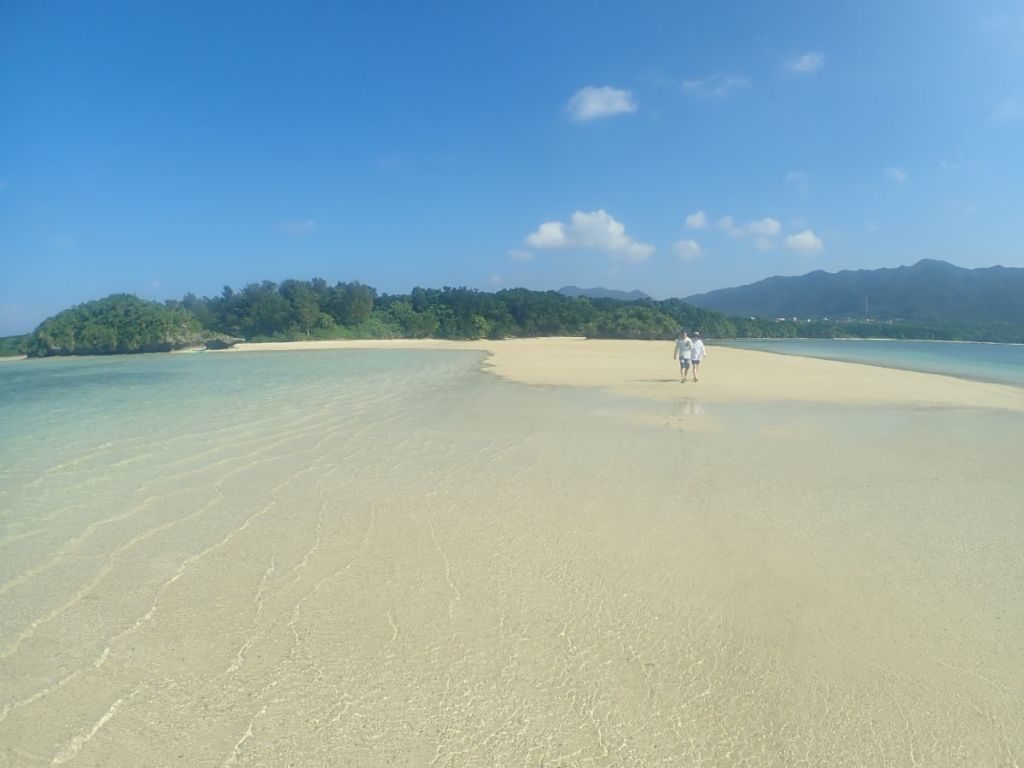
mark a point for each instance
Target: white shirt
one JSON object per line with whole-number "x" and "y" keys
{"x": 698, "y": 350}
{"x": 684, "y": 348}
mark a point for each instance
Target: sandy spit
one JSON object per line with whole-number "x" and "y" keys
{"x": 646, "y": 369}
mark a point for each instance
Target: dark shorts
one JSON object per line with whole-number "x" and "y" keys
{"x": 696, "y": 363}
{"x": 684, "y": 363}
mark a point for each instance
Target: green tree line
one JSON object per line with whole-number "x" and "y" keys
{"x": 118, "y": 324}
{"x": 314, "y": 309}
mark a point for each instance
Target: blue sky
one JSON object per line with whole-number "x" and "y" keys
{"x": 162, "y": 148}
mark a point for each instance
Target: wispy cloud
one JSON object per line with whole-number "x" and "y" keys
{"x": 518, "y": 254}
{"x": 686, "y": 250}
{"x": 1008, "y": 111}
{"x": 960, "y": 206}
{"x": 763, "y": 233}
{"x": 807, "y": 63}
{"x": 592, "y": 102}
{"x": 952, "y": 162}
{"x": 590, "y": 231}
{"x": 698, "y": 220}
{"x": 801, "y": 179}
{"x": 804, "y": 242}
{"x": 296, "y": 228}
{"x": 717, "y": 86}
{"x": 766, "y": 227}
{"x": 896, "y": 174}
{"x": 763, "y": 228}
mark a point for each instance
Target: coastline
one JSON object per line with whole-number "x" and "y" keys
{"x": 236, "y": 551}
{"x": 645, "y": 369}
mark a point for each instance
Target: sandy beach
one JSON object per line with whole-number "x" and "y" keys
{"x": 394, "y": 559}
{"x": 646, "y": 369}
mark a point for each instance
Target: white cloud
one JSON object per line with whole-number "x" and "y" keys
{"x": 807, "y": 63}
{"x": 591, "y": 231}
{"x": 716, "y": 85}
{"x": 296, "y": 228}
{"x": 520, "y": 255}
{"x": 896, "y": 174}
{"x": 764, "y": 244}
{"x": 550, "y": 234}
{"x": 592, "y": 102}
{"x": 766, "y": 227}
{"x": 686, "y": 250}
{"x": 799, "y": 178}
{"x": 1008, "y": 111}
{"x": 805, "y": 242}
{"x": 726, "y": 224}
{"x": 698, "y": 220}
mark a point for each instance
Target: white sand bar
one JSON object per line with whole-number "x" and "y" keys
{"x": 646, "y": 369}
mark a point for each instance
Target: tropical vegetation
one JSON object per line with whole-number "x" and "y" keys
{"x": 117, "y": 324}
{"x": 314, "y": 309}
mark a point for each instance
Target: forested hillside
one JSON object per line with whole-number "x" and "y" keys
{"x": 121, "y": 323}
{"x": 314, "y": 309}
{"x": 931, "y": 292}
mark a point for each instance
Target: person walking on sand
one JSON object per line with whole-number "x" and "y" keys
{"x": 683, "y": 351}
{"x": 697, "y": 354}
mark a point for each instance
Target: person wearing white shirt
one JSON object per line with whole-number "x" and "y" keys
{"x": 697, "y": 354}
{"x": 683, "y": 351}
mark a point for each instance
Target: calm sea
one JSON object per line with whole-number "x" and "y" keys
{"x": 1002, "y": 363}
{"x": 389, "y": 557}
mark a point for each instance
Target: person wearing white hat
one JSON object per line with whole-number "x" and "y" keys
{"x": 697, "y": 354}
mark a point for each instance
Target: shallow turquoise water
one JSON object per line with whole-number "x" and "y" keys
{"x": 1002, "y": 363}
{"x": 375, "y": 557}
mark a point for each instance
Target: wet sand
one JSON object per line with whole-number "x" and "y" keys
{"x": 644, "y": 368}
{"x": 463, "y": 571}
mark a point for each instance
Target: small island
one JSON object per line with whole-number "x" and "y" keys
{"x": 121, "y": 324}
{"x": 818, "y": 305}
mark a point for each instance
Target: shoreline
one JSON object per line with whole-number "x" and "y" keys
{"x": 645, "y": 369}
{"x": 879, "y": 363}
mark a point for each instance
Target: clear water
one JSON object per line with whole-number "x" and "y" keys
{"x": 1002, "y": 363}
{"x": 392, "y": 558}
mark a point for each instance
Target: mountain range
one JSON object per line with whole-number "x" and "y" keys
{"x": 602, "y": 293}
{"x": 930, "y": 291}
